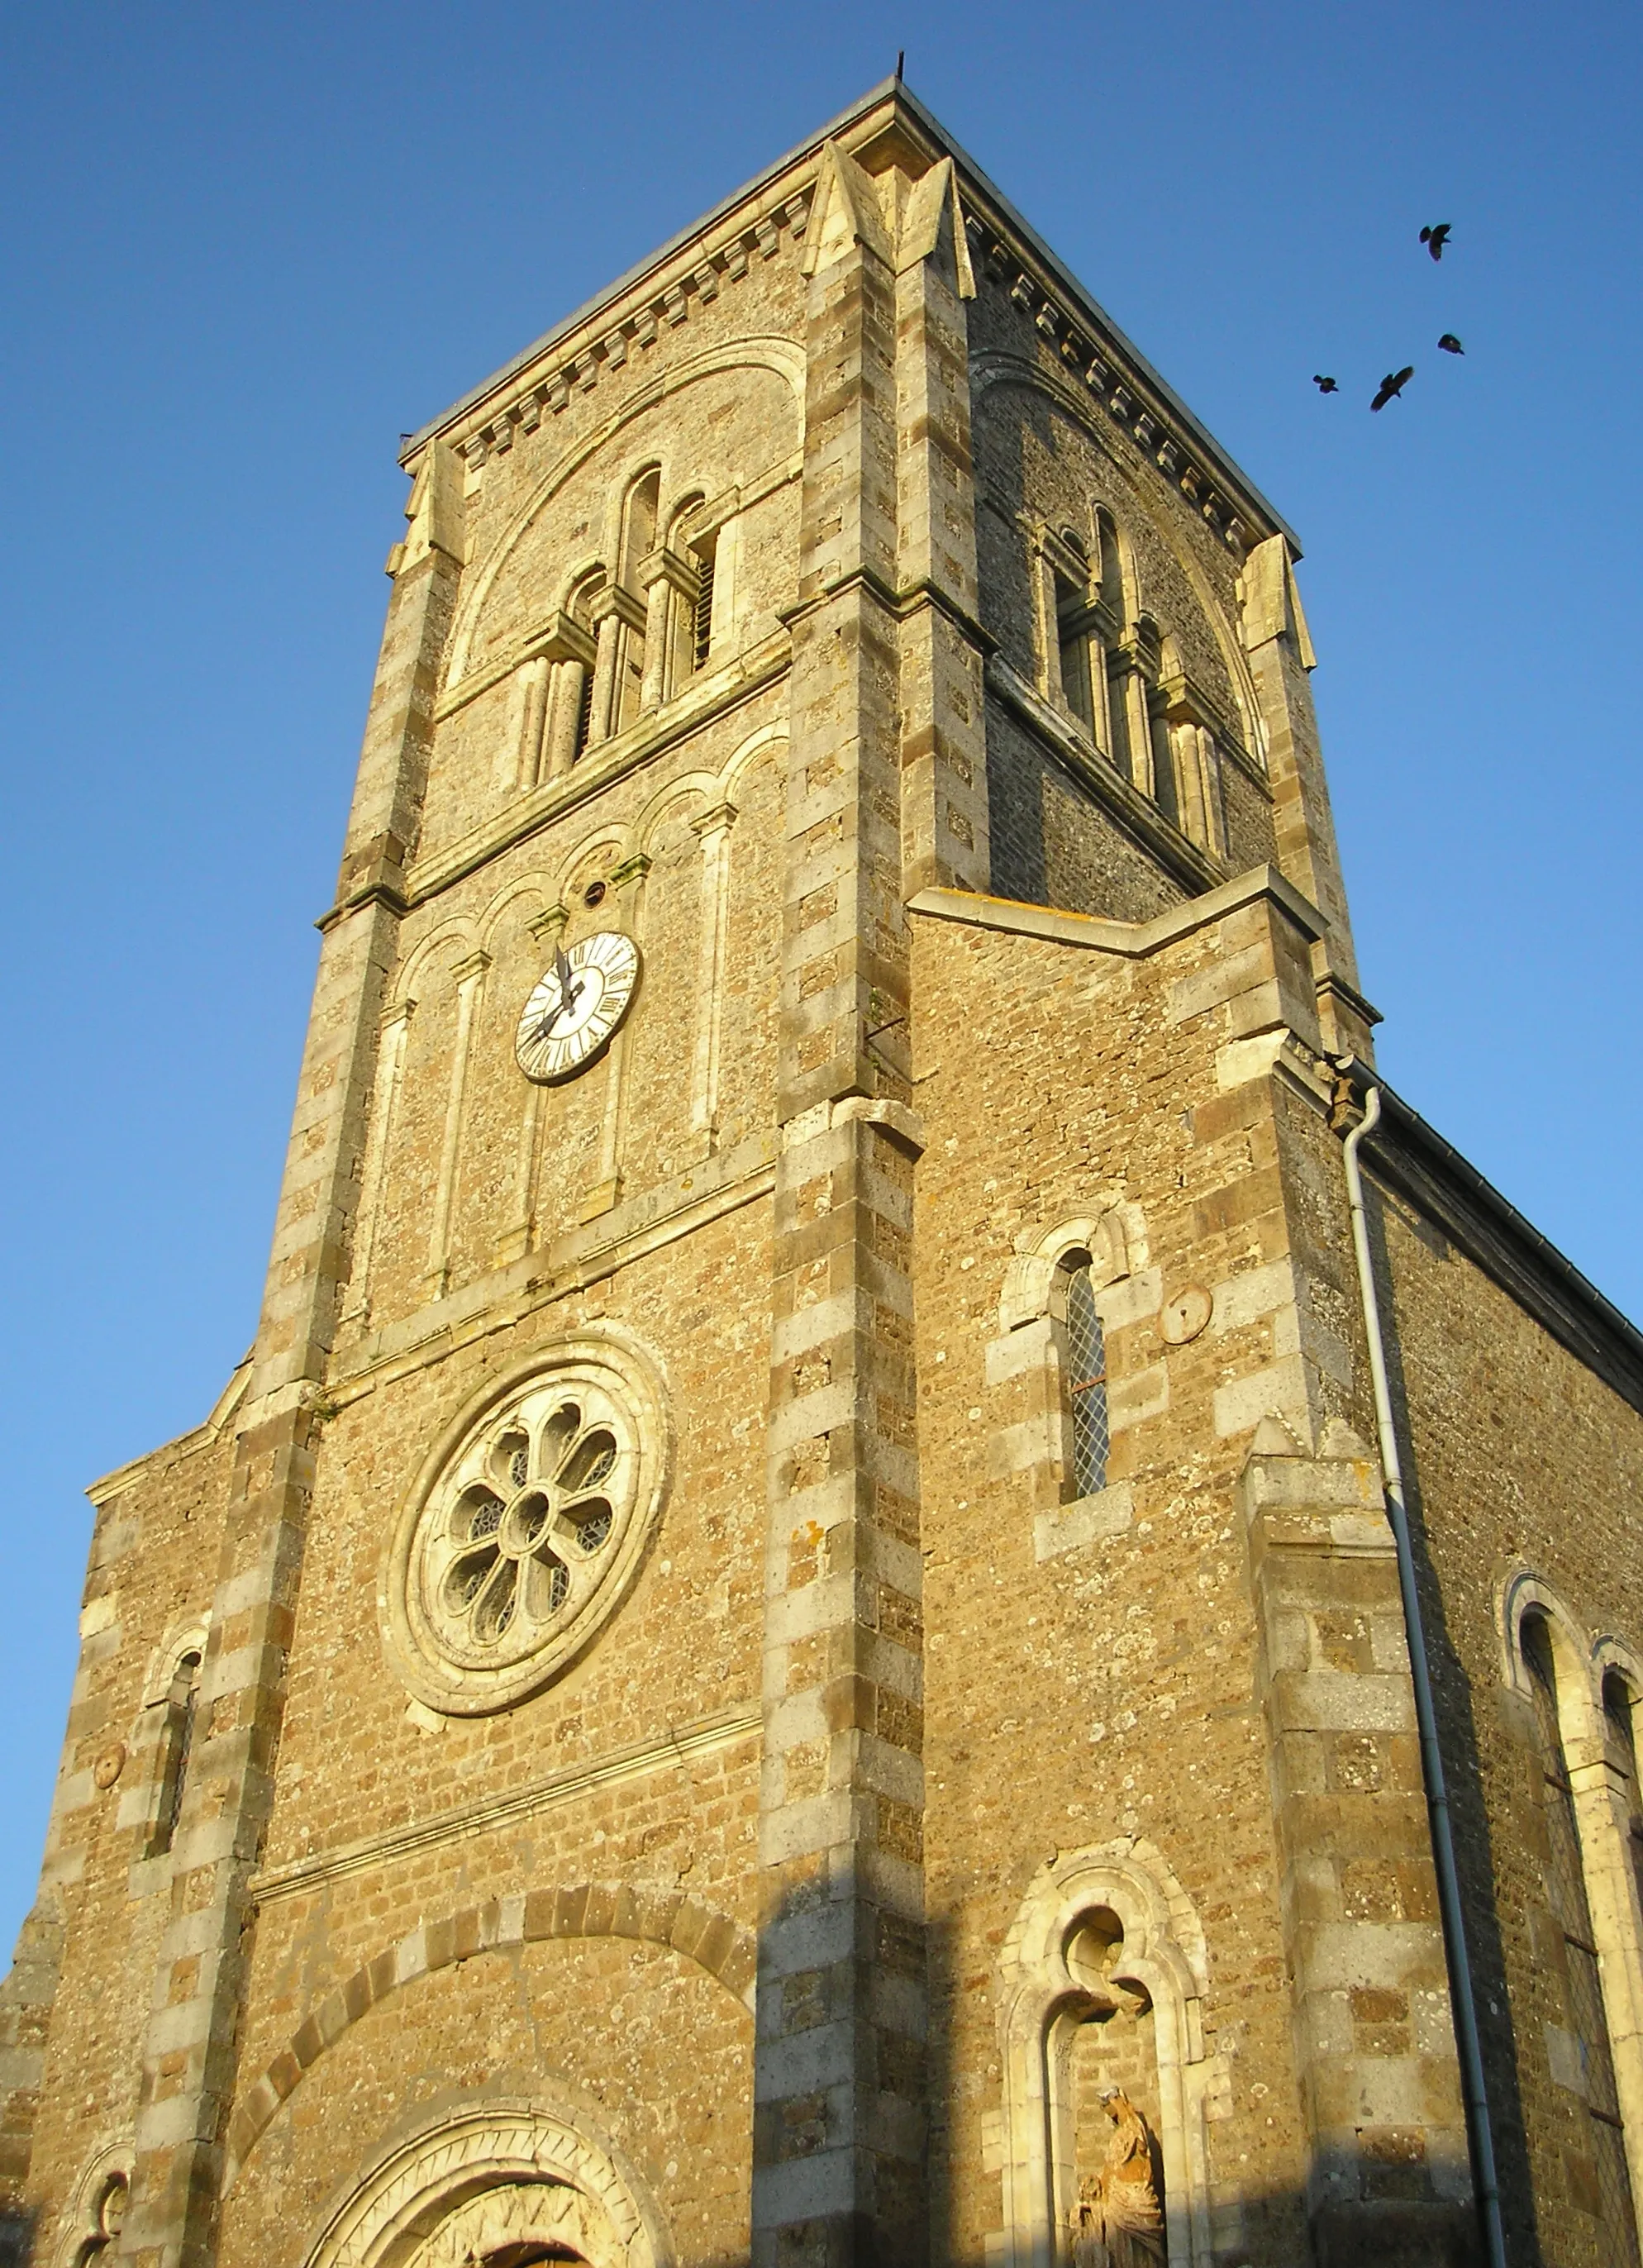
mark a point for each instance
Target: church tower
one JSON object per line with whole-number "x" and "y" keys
{"x": 860, "y": 1603}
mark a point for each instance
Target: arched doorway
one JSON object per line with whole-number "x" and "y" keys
{"x": 497, "y": 2185}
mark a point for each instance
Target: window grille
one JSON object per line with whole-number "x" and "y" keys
{"x": 584, "y": 715}
{"x": 1566, "y": 1882}
{"x": 1085, "y": 1383}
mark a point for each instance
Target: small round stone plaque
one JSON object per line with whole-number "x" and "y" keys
{"x": 109, "y": 1766}
{"x": 1186, "y": 1312}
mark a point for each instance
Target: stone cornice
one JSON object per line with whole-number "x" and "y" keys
{"x": 691, "y": 268}
{"x": 706, "y": 699}
{"x": 1134, "y": 940}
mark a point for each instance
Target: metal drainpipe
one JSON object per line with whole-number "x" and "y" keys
{"x": 1470, "y": 2047}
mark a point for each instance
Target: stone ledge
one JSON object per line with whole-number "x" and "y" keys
{"x": 1109, "y": 1512}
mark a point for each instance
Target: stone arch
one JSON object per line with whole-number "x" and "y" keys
{"x": 88, "y": 2228}
{"x": 751, "y": 752}
{"x": 493, "y": 2174}
{"x": 1163, "y": 1951}
{"x": 453, "y": 938}
{"x": 703, "y": 788}
{"x": 1116, "y": 1239}
{"x": 1601, "y": 1815}
{"x": 606, "y": 837}
{"x": 1035, "y": 1437}
{"x": 779, "y": 355}
{"x": 716, "y": 1943}
{"x": 1614, "y": 1654}
{"x": 497, "y": 909}
{"x": 1523, "y": 1591}
{"x": 186, "y": 1634}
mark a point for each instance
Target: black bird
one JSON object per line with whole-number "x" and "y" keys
{"x": 1392, "y": 385}
{"x": 1450, "y": 343}
{"x": 1436, "y": 238}
{"x": 1324, "y": 384}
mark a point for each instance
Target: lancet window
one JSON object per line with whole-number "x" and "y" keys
{"x": 1081, "y": 1348}
{"x": 176, "y": 1742}
{"x": 625, "y": 640}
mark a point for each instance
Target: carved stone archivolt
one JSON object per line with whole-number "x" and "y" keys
{"x": 498, "y": 2184}
{"x": 526, "y": 1527}
{"x": 89, "y": 2230}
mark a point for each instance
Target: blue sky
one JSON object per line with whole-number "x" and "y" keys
{"x": 241, "y": 250}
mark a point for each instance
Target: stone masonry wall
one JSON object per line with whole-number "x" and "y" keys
{"x": 1521, "y": 1463}
{"x": 1095, "y": 1672}
{"x": 148, "y": 1586}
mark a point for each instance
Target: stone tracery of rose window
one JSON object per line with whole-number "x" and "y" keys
{"x": 522, "y": 1543}
{"x": 519, "y": 1545}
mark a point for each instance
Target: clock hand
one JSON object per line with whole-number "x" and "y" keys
{"x": 569, "y": 991}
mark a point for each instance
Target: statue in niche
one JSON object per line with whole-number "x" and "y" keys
{"x": 1118, "y": 2221}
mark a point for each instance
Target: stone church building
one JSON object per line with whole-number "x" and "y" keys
{"x": 901, "y": 1574}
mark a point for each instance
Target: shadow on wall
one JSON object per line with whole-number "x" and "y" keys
{"x": 1108, "y": 2153}
{"x": 1474, "y": 1837}
{"x": 1109, "y": 2175}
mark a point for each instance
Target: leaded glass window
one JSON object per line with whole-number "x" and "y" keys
{"x": 1084, "y": 1382}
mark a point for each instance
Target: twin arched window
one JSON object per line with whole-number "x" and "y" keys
{"x": 1119, "y": 676}
{"x": 631, "y": 634}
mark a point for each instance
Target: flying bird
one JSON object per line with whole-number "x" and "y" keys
{"x": 1324, "y": 384}
{"x": 1436, "y": 238}
{"x": 1450, "y": 343}
{"x": 1392, "y": 385}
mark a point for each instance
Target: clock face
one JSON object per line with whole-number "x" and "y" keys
{"x": 577, "y": 1007}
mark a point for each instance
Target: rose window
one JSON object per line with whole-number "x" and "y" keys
{"x": 518, "y": 1545}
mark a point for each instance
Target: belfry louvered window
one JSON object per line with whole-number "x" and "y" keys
{"x": 1084, "y": 1382}
{"x": 702, "y": 620}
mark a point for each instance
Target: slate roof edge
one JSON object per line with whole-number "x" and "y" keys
{"x": 1406, "y": 1154}
{"x": 1062, "y": 276}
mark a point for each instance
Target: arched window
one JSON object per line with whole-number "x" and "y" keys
{"x": 1077, "y": 651}
{"x": 1609, "y": 2192}
{"x": 1619, "y": 1704}
{"x": 176, "y": 1739}
{"x": 1083, "y": 1354}
{"x": 89, "y": 2230}
{"x": 638, "y": 526}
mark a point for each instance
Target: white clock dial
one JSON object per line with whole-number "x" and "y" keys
{"x": 577, "y": 1007}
